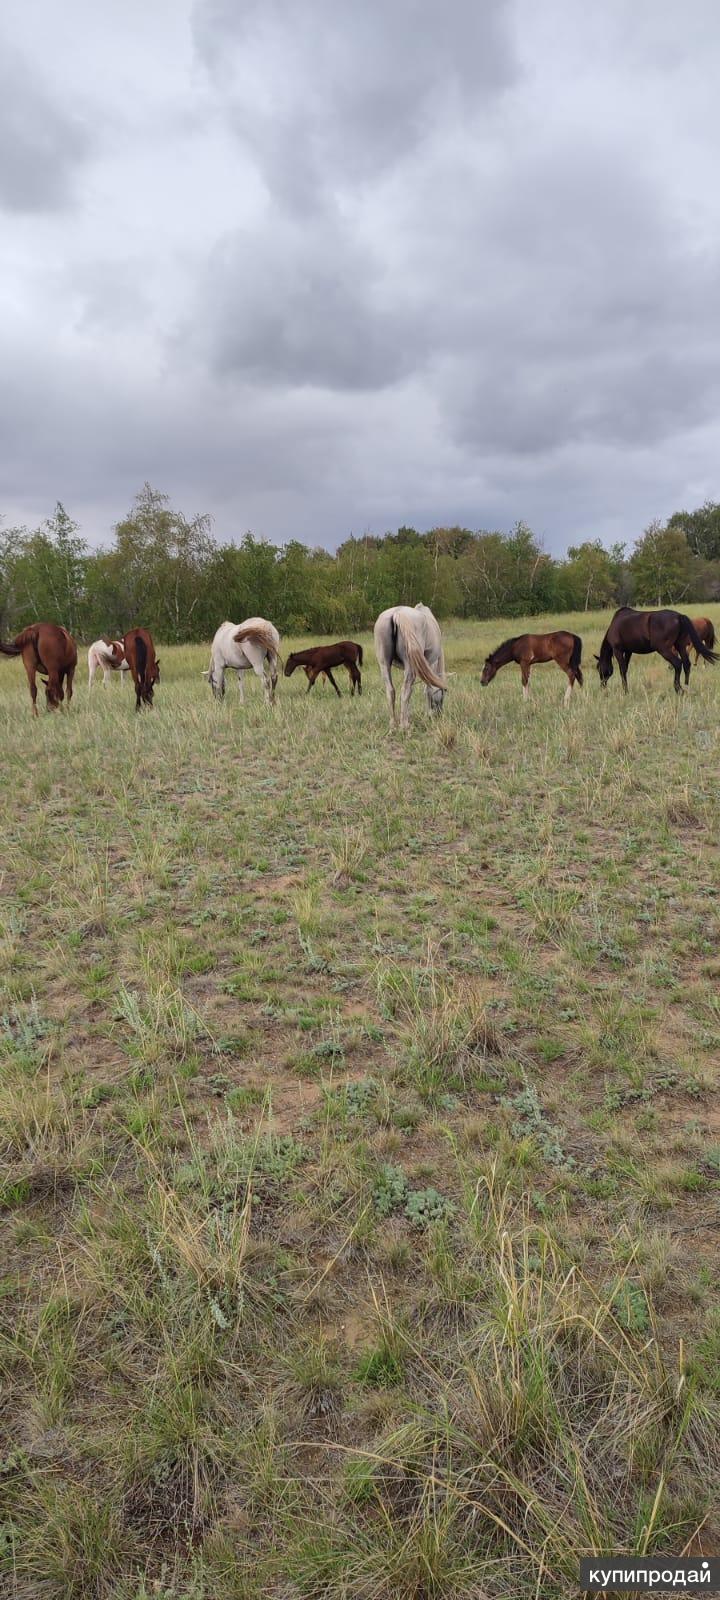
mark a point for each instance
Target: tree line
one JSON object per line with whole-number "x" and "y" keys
{"x": 169, "y": 573}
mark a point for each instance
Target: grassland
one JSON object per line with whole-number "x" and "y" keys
{"x": 360, "y": 1136}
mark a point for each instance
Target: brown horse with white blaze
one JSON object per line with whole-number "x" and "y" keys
{"x": 139, "y": 652}
{"x": 534, "y": 649}
{"x": 51, "y": 651}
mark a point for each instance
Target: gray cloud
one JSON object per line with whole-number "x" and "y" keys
{"x": 42, "y": 144}
{"x": 341, "y": 267}
{"x": 328, "y": 93}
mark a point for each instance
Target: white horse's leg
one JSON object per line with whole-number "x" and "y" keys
{"x": 405, "y": 694}
{"x": 272, "y": 677}
{"x": 92, "y": 668}
{"x": 106, "y": 677}
{"x": 386, "y": 676}
{"x": 241, "y": 684}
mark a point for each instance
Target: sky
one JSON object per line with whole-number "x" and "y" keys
{"x": 321, "y": 268}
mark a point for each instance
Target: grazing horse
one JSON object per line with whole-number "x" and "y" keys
{"x": 530, "y": 650}
{"x": 252, "y": 646}
{"x": 49, "y": 650}
{"x": 106, "y": 655}
{"x": 139, "y": 652}
{"x": 705, "y": 631}
{"x": 630, "y": 633}
{"x": 323, "y": 657}
{"x": 409, "y": 636}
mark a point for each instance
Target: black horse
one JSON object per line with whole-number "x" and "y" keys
{"x": 670, "y": 633}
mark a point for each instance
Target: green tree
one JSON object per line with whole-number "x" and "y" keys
{"x": 701, "y": 529}
{"x": 661, "y": 566}
{"x": 588, "y": 576}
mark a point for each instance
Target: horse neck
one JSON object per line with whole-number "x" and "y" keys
{"x": 503, "y": 654}
{"x": 605, "y": 651}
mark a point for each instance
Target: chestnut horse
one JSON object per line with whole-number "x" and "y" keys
{"x": 670, "y": 633}
{"x": 323, "y": 657}
{"x": 139, "y": 652}
{"x": 705, "y": 631}
{"x": 533, "y": 649}
{"x": 49, "y": 650}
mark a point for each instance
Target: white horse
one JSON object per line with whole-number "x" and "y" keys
{"x": 254, "y": 646}
{"x": 108, "y": 655}
{"x": 410, "y": 636}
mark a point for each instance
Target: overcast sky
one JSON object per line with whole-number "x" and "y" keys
{"x": 324, "y": 266}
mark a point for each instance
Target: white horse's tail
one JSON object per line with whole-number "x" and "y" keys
{"x": 414, "y": 651}
{"x": 258, "y": 635}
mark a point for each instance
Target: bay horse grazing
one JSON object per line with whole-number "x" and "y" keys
{"x": 409, "y": 637}
{"x": 670, "y": 633}
{"x": 49, "y": 650}
{"x": 705, "y": 631}
{"x": 106, "y": 655}
{"x": 323, "y": 657}
{"x": 532, "y": 649}
{"x": 139, "y": 652}
{"x": 253, "y": 646}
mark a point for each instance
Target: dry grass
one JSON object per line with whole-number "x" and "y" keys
{"x": 359, "y": 1137}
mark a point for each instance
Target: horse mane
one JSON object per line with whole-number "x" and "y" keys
{"x": 506, "y": 645}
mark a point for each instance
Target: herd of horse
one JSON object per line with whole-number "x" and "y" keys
{"x": 405, "y": 636}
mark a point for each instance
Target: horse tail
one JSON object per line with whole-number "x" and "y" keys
{"x": 575, "y": 658}
{"x": 257, "y": 633}
{"x": 141, "y": 659}
{"x": 710, "y": 639}
{"x": 414, "y": 651}
{"x": 29, "y": 635}
{"x": 360, "y": 660}
{"x": 689, "y": 630}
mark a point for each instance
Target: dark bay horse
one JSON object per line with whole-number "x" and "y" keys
{"x": 670, "y": 633}
{"x": 705, "y": 631}
{"x": 139, "y": 652}
{"x": 323, "y": 657}
{"x": 51, "y": 651}
{"x": 533, "y": 649}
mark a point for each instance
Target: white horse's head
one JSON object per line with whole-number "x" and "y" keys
{"x": 216, "y": 681}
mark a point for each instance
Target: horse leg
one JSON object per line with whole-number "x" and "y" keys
{"x": 69, "y": 683}
{"x": 273, "y": 674}
{"x": 241, "y": 684}
{"x": 623, "y": 660}
{"x": 313, "y": 673}
{"x": 405, "y": 694}
{"x": 671, "y": 655}
{"x": 358, "y": 679}
{"x": 684, "y": 655}
{"x": 386, "y": 676}
{"x": 30, "y": 666}
{"x": 525, "y": 670}
{"x": 332, "y": 680}
{"x": 567, "y": 697}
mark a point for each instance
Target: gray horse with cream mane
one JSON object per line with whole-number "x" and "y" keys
{"x": 409, "y": 637}
{"x": 250, "y": 646}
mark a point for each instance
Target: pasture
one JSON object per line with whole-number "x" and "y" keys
{"x": 360, "y": 1133}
